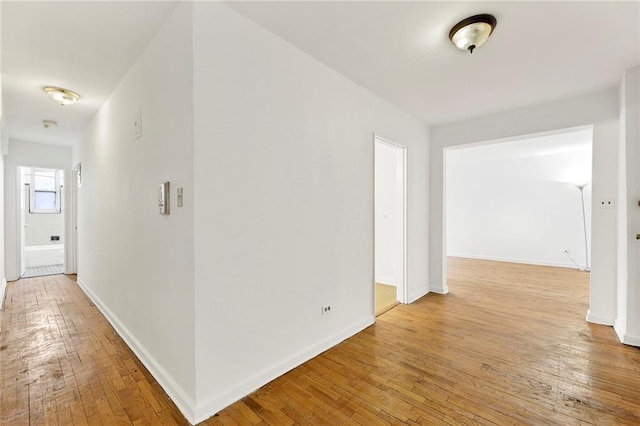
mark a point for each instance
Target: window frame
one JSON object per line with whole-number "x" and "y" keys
{"x": 58, "y": 177}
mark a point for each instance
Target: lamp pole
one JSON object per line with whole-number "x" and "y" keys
{"x": 584, "y": 225}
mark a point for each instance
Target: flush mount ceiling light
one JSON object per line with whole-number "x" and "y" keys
{"x": 61, "y": 96}
{"x": 472, "y": 32}
{"x": 49, "y": 123}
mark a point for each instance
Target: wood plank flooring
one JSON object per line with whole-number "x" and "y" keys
{"x": 508, "y": 345}
{"x": 61, "y": 363}
{"x": 386, "y": 298}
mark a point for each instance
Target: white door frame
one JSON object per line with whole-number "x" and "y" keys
{"x": 22, "y": 222}
{"x": 402, "y": 285}
{"x": 444, "y": 281}
{"x": 65, "y": 207}
{"x": 71, "y": 221}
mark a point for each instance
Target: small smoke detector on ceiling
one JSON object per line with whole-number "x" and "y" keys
{"x": 49, "y": 123}
{"x": 472, "y": 32}
{"x": 60, "y": 95}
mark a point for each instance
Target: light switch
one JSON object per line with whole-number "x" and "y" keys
{"x": 179, "y": 198}
{"x": 163, "y": 198}
{"x": 137, "y": 125}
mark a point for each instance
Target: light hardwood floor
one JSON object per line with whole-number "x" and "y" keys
{"x": 61, "y": 363}
{"x": 386, "y": 298}
{"x": 508, "y": 345}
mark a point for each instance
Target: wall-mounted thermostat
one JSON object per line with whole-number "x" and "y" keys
{"x": 163, "y": 198}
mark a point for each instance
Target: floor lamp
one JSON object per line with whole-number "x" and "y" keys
{"x": 584, "y": 225}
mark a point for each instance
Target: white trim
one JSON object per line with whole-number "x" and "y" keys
{"x": 184, "y": 403}
{"x": 514, "y": 260}
{"x": 403, "y": 283}
{"x": 599, "y": 319}
{"x": 412, "y": 298}
{"x": 618, "y": 327}
{"x": 623, "y": 336}
{"x": 71, "y": 222}
{"x": 19, "y": 222}
{"x": 439, "y": 289}
{"x": 3, "y": 289}
{"x": 630, "y": 339}
{"x": 215, "y": 403}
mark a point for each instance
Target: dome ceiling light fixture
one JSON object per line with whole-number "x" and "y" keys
{"x": 60, "y": 95}
{"x": 472, "y": 32}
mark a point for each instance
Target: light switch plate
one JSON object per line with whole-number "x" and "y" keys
{"x": 163, "y": 198}
{"x": 179, "y": 197}
{"x": 137, "y": 125}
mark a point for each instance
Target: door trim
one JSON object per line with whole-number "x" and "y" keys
{"x": 403, "y": 290}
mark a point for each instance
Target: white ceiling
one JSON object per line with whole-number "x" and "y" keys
{"x": 540, "y": 51}
{"x": 87, "y": 47}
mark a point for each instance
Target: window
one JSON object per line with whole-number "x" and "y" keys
{"x": 45, "y": 191}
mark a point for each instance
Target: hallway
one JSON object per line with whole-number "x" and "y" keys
{"x": 62, "y": 363}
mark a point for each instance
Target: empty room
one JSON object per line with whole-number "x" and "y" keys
{"x": 220, "y": 213}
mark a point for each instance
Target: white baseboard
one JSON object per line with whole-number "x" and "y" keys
{"x": 215, "y": 403}
{"x": 624, "y": 336}
{"x": 3, "y": 289}
{"x": 515, "y": 260}
{"x": 599, "y": 319}
{"x": 620, "y": 330}
{"x": 630, "y": 339}
{"x": 184, "y": 403}
{"x": 440, "y": 289}
{"x": 415, "y": 296}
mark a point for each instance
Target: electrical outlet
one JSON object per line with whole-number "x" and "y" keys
{"x": 606, "y": 203}
{"x": 326, "y": 309}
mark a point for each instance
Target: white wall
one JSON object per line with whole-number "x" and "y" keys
{"x": 520, "y": 206}
{"x": 31, "y": 154}
{"x": 135, "y": 264}
{"x": 599, "y": 109}
{"x": 388, "y": 213}
{"x": 3, "y": 146}
{"x": 41, "y": 227}
{"x": 627, "y": 322}
{"x": 283, "y": 174}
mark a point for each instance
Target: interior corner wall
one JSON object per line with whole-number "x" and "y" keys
{"x": 627, "y": 322}
{"x": 515, "y": 209}
{"x": 22, "y": 153}
{"x": 283, "y": 174}
{"x": 598, "y": 109}
{"x": 135, "y": 264}
{"x": 3, "y": 279}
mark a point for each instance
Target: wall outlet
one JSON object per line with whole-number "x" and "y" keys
{"x": 606, "y": 203}
{"x": 326, "y": 309}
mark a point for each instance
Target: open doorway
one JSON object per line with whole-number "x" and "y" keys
{"x": 390, "y": 225}
{"x": 524, "y": 201}
{"x": 42, "y": 221}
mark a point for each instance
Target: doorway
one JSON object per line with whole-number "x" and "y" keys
{"x": 42, "y": 222}
{"x": 390, "y": 224}
{"x": 520, "y": 201}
